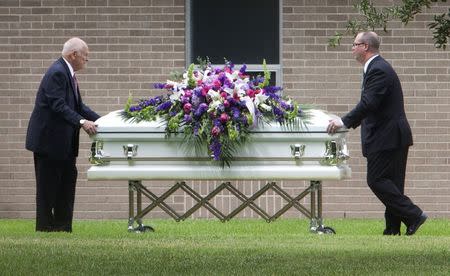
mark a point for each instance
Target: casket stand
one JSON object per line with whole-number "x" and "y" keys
{"x": 122, "y": 150}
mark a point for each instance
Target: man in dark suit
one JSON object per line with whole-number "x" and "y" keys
{"x": 53, "y": 137}
{"x": 385, "y": 135}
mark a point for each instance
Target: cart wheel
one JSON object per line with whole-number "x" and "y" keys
{"x": 325, "y": 230}
{"x": 328, "y": 230}
{"x": 144, "y": 228}
{"x": 147, "y": 228}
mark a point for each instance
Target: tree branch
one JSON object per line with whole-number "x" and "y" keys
{"x": 374, "y": 18}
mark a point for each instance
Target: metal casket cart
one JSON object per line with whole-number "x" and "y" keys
{"x": 140, "y": 151}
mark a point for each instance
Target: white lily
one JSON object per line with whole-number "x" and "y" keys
{"x": 214, "y": 94}
{"x": 241, "y": 93}
{"x": 232, "y": 76}
{"x": 228, "y": 90}
{"x": 203, "y": 75}
{"x": 213, "y": 105}
{"x": 240, "y": 85}
{"x": 176, "y": 95}
{"x": 260, "y": 98}
{"x": 250, "y": 106}
{"x": 265, "y": 107}
{"x": 176, "y": 85}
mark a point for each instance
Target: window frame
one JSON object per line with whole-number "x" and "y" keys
{"x": 277, "y": 69}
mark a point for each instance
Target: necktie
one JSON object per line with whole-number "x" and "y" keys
{"x": 75, "y": 86}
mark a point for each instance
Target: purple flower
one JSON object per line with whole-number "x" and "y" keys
{"x": 258, "y": 79}
{"x": 272, "y": 89}
{"x": 236, "y": 113}
{"x": 164, "y": 106}
{"x": 196, "y": 127}
{"x": 221, "y": 108}
{"x": 230, "y": 64}
{"x": 224, "y": 118}
{"x": 243, "y": 69}
{"x": 153, "y": 101}
{"x": 216, "y": 148}
{"x": 244, "y": 120}
{"x": 231, "y": 100}
{"x": 285, "y": 105}
{"x": 201, "y": 109}
{"x": 279, "y": 114}
{"x": 135, "y": 108}
{"x": 159, "y": 85}
{"x": 227, "y": 83}
{"x": 217, "y": 123}
{"x": 187, "y": 107}
{"x": 188, "y": 118}
{"x": 198, "y": 91}
{"x": 184, "y": 99}
{"x": 195, "y": 100}
{"x": 226, "y": 103}
{"x": 223, "y": 127}
{"x": 215, "y": 131}
{"x": 222, "y": 77}
{"x": 277, "y": 111}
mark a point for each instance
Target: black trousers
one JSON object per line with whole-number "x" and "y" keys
{"x": 386, "y": 178}
{"x": 55, "y": 193}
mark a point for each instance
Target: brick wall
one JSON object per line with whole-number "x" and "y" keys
{"x": 134, "y": 43}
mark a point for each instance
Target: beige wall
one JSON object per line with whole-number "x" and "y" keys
{"x": 135, "y": 43}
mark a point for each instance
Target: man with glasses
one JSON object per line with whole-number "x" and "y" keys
{"x": 385, "y": 135}
{"x": 53, "y": 137}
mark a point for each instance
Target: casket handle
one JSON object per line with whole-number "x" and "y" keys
{"x": 130, "y": 150}
{"x": 97, "y": 153}
{"x": 335, "y": 153}
{"x": 297, "y": 150}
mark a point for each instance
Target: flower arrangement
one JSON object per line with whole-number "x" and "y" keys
{"x": 217, "y": 108}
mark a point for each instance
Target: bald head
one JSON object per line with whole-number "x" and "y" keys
{"x": 365, "y": 46}
{"x": 371, "y": 39}
{"x": 74, "y": 44}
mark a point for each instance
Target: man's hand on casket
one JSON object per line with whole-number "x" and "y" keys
{"x": 334, "y": 125}
{"x": 90, "y": 127}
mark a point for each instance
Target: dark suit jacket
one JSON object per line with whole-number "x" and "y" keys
{"x": 54, "y": 125}
{"x": 380, "y": 112}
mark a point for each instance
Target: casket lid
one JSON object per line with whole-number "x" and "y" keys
{"x": 113, "y": 122}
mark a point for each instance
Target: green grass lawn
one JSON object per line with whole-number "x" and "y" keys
{"x": 210, "y": 247}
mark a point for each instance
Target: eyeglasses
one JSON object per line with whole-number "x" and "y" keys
{"x": 357, "y": 44}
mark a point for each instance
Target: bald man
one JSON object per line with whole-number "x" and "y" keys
{"x": 53, "y": 137}
{"x": 385, "y": 135}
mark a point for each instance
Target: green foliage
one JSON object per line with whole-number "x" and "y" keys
{"x": 173, "y": 124}
{"x": 441, "y": 27}
{"x": 176, "y": 76}
{"x": 266, "y": 75}
{"x": 210, "y": 247}
{"x": 203, "y": 63}
{"x": 146, "y": 114}
{"x": 190, "y": 72}
{"x": 373, "y": 18}
{"x": 128, "y": 104}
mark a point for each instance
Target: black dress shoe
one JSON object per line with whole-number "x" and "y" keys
{"x": 390, "y": 232}
{"x": 415, "y": 226}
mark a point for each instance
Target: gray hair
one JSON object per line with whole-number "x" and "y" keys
{"x": 371, "y": 39}
{"x": 73, "y": 44}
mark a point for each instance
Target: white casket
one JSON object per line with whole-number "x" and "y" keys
{"x": 123, "y": 150}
